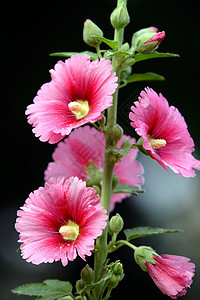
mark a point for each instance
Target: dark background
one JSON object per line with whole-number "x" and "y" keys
{"x": 29, "y": 32}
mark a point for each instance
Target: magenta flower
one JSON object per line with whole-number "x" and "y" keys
{"x": 59, "y": 220}
{"x": 164, "y": 133}
{"x": 171, "y": 274}
{"x": 78, "y": 92}
{"x": 85, "y": 144}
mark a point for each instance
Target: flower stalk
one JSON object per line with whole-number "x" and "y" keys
{"x": 101, "y": 245}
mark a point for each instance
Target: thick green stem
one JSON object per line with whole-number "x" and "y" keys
{"x": 106, "y": 192}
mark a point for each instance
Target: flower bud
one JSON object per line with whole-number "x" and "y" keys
{"x": 89, "y": 30}
{"x": 146, "y": 40}
{"x": 120, "y": 17}
{"x": 144, "y": 254}
{"x": 115, "y": 181}
{"x": 125, "y": 73}
{"x": 125, "y": 47}
{"x": 87, "y": 274}
{"x": 118, "y": 274}
{"x": 125, "y": 144}
{"x": 117, "y": 133}
{"x": 79, "y": 285}
{"x": 116, "y": 224}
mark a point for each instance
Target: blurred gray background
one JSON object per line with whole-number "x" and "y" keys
{"x": 31, "y": 31}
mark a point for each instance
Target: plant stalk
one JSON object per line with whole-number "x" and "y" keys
{"x": 106, "y": 192}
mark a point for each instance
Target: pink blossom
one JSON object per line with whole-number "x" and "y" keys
{"x": 171, "y": 274}
{"x": 164, "y": 132}
{"x": 60, "y": 220}
{"x": 84, "y": 144}
{"x": 78, "y": 92}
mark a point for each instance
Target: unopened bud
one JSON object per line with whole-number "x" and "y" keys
{"x": 115, "y": 181}
{"x": 125, "y": 73}
{"x": 79, "y": 285}
{"x": 144, "y": 254}
{"x": 87, "y": 274}
{"x": 120, "y": 17}
{"x": 125, "y": 144}
{"x": 128, "y": 62}
{"x": 146, "y": 40}
{"x": 125, "y": 47}
{"x": 89, "y": 30}
{"x": 117, "y": 133}
{"x": 116, "y": 224}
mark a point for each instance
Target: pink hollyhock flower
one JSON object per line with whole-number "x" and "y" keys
{"x": 78, "y": 92}
{"x": 85, "y": 144}
{"x": 171, "y": 274}
{"x": 59, "y": 220}
{"x": 164, "y": 133}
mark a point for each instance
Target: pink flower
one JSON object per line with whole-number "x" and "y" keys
{"x": 77, "y": 94}
{"x": 164, "y": 132}
{"x": 85, "y": 144}
{"x": 171, "y": 274}
{"x": 59, "y": 220}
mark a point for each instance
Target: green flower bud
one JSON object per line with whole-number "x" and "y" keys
{"x": 116, "y": 224}
{"x": 128, "y": 62}
{"x": 117, "y": 133}
{"x": 118, "y": 274}
{"x": 79, "y": 285}
{"x": 125, "y": 144}
{"x": 144, "y": 254}
{"x": 120, "y": 17}
{"x": 87, "y": 274}
{"x": 115, "y": 181}
{"x": 118, "y": 269}
{"x": 125, "y": 47}
{"x": 89, "y": 30}
{"x": 125, "y": 73}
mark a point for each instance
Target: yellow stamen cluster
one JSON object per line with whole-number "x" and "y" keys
{"x": 70, "y": 231}
{"x": 157, "y": 143}
{"x": 79, "y": 108}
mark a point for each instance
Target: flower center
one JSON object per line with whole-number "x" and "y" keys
{"x": 157, "y": 143}
{"x": 70, "y": 231}
{"x": 79, "y": 108}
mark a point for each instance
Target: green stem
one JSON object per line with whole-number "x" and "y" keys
{"x": 98, "y": 52}
{"x": 123, "y": 242}
{"x": 106, "y": 192}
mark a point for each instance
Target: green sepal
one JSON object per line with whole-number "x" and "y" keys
{"x": 119, "y": 153}
{"x": 111, "y": 43}
{"x": 144, "y": 254}
{"x": 138, "y": 232}
{"x": 48, "y": 290}
{"x": 140, "y": 56}
{"x": 92, "y": 55}
{"x": 94, "y": 174}
{"x": 144, "y": 77}
{"x": 126, "y": 188}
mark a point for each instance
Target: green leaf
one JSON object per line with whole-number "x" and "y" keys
{"x": 48, "y": 290}
{"x": 140, "y": 56}
{"x": 143, "y": 77}
{"x": 126, "y": 188}
{"x": 92, "y": 55}
{"x": 111, "y": 43}
{"x": 138, "y": 232}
